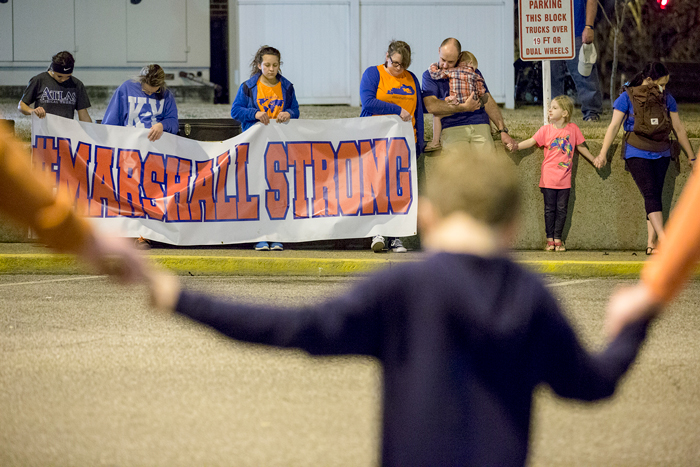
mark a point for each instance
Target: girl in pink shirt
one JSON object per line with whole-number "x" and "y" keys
{"x": 559, "y": 139}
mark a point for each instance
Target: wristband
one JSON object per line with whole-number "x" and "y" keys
{"x": 589, "y": 26}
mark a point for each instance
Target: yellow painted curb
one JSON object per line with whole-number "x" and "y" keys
{"x": 258, "y": 266}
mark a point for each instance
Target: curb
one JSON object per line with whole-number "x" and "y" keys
{"x": 257, "y": 266}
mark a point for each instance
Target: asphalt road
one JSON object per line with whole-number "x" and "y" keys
{"x": 90, "y": 376}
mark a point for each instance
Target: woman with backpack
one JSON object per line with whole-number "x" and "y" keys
{"x": 649, "y": 114}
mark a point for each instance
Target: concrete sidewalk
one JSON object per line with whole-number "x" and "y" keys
{"x": 29, "y": 258}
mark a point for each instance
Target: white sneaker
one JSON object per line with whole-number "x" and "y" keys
{"x": 396, "y": 246}
{"x": 377, "y": 243}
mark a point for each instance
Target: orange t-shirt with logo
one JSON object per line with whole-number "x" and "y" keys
{"x": 400, "y": 90}
{"x": 270, "y": 99}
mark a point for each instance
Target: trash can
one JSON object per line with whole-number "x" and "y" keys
{"x": 209, "y": 129}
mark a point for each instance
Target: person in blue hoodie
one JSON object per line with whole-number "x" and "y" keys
{"x": 266, "y": 96}
{"x": 144, "y": 102}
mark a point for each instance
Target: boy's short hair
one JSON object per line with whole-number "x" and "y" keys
{"x": 567, "y": 104}
{"x": 485, "y": 186}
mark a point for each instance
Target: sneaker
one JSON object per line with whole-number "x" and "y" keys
{"x": 276, "y": 246}
{"x": 591, "y": 118}
{"x": 262, "y": 246}
{"x": 396, "y": 246}
{"x": 377, "y": 243}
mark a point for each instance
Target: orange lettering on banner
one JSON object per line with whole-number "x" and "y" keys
{"x": 73, "y": 173}
{"x": 248, "y": 206}
{"x": 154, "y": 186}
{"x": 299, "y": 155}
{"x": 129, "y": 182}
{"x": 399, "y": 176}
{"x": 44, "y": 157}
{"x": 104, "y": 196}
{"x": 374, "y": 197}
{"x": 349, "y": 179}
{"x": 177, "y": 182}
{"x": 202, "y": 198}
{"x": 226, "y": 208}
{"x": 277, "y": 197}
{"x": 325, "y": 202}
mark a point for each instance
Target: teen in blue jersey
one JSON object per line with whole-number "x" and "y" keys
{"x": 144, "y": 102}
{"x": 266, "y": 96}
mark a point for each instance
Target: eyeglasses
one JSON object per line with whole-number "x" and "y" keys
{"x": 395, "y": 64}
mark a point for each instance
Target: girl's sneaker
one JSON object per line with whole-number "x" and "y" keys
{"x": 550, "y": 246}
{"x": 262, "y": 246}
{"x": 276, "y": 246}
{"x": 559, "y": 246}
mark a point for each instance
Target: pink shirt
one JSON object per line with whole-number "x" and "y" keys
{"x": 559, "y": 145}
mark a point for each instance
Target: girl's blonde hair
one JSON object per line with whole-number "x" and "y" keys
{"x": 567, "y": 105}
{"x": 468, "y": 58}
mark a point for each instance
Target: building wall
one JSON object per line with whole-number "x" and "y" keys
{"x": 327, "y": 44}
{"x": 110, "y": 39}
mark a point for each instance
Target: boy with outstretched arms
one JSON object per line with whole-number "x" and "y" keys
{"x": 464, "y": 336}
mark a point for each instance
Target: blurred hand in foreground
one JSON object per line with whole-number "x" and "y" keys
{"x": 627, "y": 305}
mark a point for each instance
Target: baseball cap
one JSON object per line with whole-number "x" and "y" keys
{"x": 587, "y": 56}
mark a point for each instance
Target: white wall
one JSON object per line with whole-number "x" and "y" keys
{"x": 110, "y": 39}
{"x": 327, "y": 44}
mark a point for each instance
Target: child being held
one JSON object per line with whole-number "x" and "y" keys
{"x": 559, "y": 139}
{"x": 464, "y": 80}
{"x": 464, "y": 336}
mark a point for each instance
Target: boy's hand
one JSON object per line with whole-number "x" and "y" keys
{"x": 512, "y": 147}
{"x": 164, "y": 289}
{"x": 451, "y": 100}
{"x": 628, "y": 305}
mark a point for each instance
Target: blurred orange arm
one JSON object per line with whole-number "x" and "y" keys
{"x": 666, "y": 273}
{"x": 26, "y": 198}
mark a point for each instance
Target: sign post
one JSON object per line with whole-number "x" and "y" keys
{"x": 546, "y": 33}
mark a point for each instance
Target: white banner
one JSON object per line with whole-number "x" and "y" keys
{"x": 298, "y": 181}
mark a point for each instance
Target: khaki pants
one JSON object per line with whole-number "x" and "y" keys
{"x": 468, "y": 139}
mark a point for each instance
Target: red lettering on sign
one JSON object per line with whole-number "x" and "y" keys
{"x": 177, "y": 182}
{"x": 374, "y": 159}
{"x": 226, "y": 206}
{"x": 349, "y": 179}
{"x": 154, "y": 186}
{"x": 248, "y": 206}
{"x": 277, "y": 197}
{"x": 399, "y": 176}
{"x": 299, "y": 155}
{"x": 104, "y": 201}
{"x": 325, "y": 201}
{"x": 72, "y": 173}
{"x": 203, "y": 192}
{"x": 129, "y": 181}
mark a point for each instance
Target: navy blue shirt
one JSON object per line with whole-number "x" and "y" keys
{"x": 463, "y": 341}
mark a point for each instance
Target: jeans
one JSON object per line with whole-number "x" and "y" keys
{"x": 587, "y": 87}
{"x": 556, "y": 207}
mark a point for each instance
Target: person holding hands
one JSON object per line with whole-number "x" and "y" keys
{"x": 559, "y": 139}
{"x": 649, "y": 114}
{"x": 466, "y": 127}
